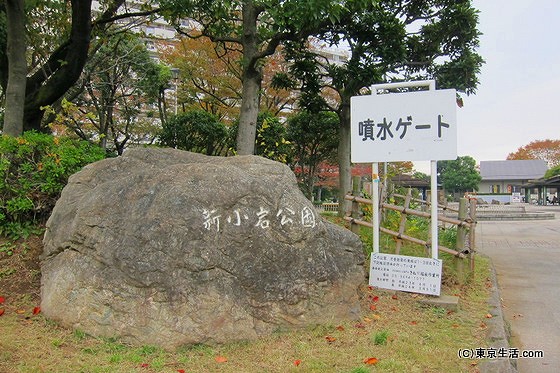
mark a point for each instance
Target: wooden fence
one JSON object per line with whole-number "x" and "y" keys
{"x": 465, "y": 222}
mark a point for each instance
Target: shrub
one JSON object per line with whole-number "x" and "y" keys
{"x": 33, "y": 170}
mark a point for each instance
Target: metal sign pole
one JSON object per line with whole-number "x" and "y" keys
{"x": 434, "y": 208}
{"x": 375, "y": 205}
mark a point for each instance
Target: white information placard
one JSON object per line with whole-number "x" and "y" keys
{"x": 406, "y": 273}
{"x": 411, "y": 126}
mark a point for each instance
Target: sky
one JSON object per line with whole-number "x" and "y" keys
{"x": 518, "y": 97}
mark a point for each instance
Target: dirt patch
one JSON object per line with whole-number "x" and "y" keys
{"x": 20, "y": 271}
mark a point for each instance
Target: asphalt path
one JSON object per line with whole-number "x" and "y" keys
{"x": 526, "y": 256}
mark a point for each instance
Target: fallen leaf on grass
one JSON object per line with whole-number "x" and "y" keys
{"x": 371, "y": 360}
{"x": 488, "y": 316}
{"x": 413, "y": 323}
{"x": 2, "y": 300}
{"x": 330, "y": 339}
{"x": 483, "y": 325}
{"x": 297, "y": 362}
{"x": 374, "y": 298}
{"x": 372, "y": 307}
{"x": 359, "y": 325}
{"x": 20, "y": 312}
{"x": 180, "y": 371}
{"x": 221, "y": 359}
{"x": 395, "y": 297}
{"x": 144, "y": 365}
{"x": 340, "y": 328}
{"x": 1, "y": 311}
{"x": 36, "y": 310}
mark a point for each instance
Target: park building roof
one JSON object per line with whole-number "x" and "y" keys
{"x": 513, "y": 170}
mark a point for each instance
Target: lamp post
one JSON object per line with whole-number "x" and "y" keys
{"x": 175, "y": 75}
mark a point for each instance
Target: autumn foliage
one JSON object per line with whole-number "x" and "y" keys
{"x": 547, "y": 150}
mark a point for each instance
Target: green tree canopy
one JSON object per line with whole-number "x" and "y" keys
{"x": 388, "y": 41}
{"x": 196, "y": 131}
{"x": 459, "y": 175}
{"x": 314, "y": 139}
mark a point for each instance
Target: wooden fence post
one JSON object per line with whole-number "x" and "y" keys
{"x": 461, "y": 236}
{"x": 355, "y": 211}
{"x": 472, "y": 229}
{"x": 402, "y": 225}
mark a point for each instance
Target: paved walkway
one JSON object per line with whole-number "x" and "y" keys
{"x": 526, "y": 255}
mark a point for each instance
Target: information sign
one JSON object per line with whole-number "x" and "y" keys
{"x": 406, "y": 273}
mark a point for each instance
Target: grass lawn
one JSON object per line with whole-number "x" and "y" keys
{"x": 395, "y": 333}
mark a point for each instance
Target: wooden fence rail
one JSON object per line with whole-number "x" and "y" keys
{"x": 465, "y": 222}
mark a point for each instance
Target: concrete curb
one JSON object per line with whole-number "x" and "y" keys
{"x": 498, "y": 332}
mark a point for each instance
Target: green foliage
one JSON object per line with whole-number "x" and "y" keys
{"x": 459, "y": 175}
{"x": 33, "y": 170}
{"x": 197, "y": 131}
{"x": 314, "y": 139}
{"x": 554, "y": 171}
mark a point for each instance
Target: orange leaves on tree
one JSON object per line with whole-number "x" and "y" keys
{"x": 371, "y": 361}
{"x": 221, "y": 359}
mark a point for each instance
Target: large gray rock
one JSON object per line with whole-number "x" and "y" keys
{"x": 165, "y": 247}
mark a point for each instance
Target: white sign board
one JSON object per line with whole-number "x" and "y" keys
{"x": 515, "y": 197}
{"x": 406, "y": 273}
{"x": 412, "y": 126}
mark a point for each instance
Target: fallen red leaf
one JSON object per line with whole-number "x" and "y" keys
{"x": 413, "y": 323}
{"x": 36, "y": 310}
{"x": 297, "y": 362}
{"x": 359, "y": 325}
{"x": 330, "y": 339}
{"x": 488, "y": 316}
{"x": 145, "y": 365}
{"x": 375, "y": 298}
{"x": 395, "y": 296}
{"x": 340, "y": 328}
{"x": 371, "y": 360}
{"x": 2, "y": 299}
{"x": 221, "y": 359}
{"x": 1, "y": 311}
{"x": 180, "y": 370}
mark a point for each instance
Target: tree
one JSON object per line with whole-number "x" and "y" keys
{"x": 459, "y": 175}
{"x": 197, "y": 131}
{"x": 314, "y": 139}
{"x": 547, "y": 150}
{"x": 16, "y": 59}
{"x": 388, "y": 41}
{"x": 55, "y": 67}
{"x": 256, "y": 29}
{"x": 551, "y": 172}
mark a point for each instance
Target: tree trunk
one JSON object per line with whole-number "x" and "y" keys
{"x": 17, "y": 72}
{"x": 344, "y": 165}
{"x": 64, "y": 66}
{"x": 252, "y": 77}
